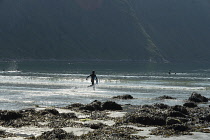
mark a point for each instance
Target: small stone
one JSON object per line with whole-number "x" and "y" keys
{"x": 109, "y": 105}
{"x": 49, "y": 111}
{"x": 190, "y": 104}
{"x": 165, "y": 97}
{"x": 124, "y": 97}
{"x": 68, "y": 115}
{"x": 96, "y": 125}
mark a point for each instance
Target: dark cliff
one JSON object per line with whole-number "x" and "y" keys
{"x": 144, "y": 30}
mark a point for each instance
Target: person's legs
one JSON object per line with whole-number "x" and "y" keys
{"x": 92, "y": 80}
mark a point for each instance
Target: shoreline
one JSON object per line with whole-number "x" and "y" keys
{"x": 102, "y": 60}
{"x": 107, "y": 120}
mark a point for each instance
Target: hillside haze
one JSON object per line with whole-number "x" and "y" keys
{"x": 180, "y": 29}
{"x": 143, "y": 30}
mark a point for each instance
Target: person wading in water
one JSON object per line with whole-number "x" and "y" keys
{"x": 93, "y": 78}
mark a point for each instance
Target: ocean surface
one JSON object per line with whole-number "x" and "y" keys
{"x": 26, "y": 84}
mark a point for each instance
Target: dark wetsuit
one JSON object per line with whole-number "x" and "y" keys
{"x": 93, "y": 77}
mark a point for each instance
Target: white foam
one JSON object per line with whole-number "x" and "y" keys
{"x": 161, "y": 87}
{"x": 54, "y": 89}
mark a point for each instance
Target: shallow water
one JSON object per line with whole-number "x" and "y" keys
{"x": 60, "y": 83}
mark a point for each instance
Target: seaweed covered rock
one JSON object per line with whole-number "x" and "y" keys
{"x": 195, "y": 97}
{"x": 147, "y": 116}
{"x": 156, "y": 106}
{"x": 171, "y": 121}
{"x": 99, "y": 106}
{"x": 146, "y": 119}
{"x": 96, "y": 125}
{"x": 9, "y": 115}
{"x": 28, "y": 110}
{"x": 74, "y": 105}
{"x": 176, "y": 114}
{"x": 124, "y": 97}
{"x": 68, "y": 115}
{"x": 109, "y": 105}
{"x": 190, "y": 104}
{"x": 207, "y": 118}
{"x": 57, "y": 134}
{"x": 181, "y": 109}
{"x": 179, "y": 127}
{"x": 147, "y": 106}
{"x": 94, "y": 106}
{"x": 4, "y": 134}
{"x": 161, "y": 106}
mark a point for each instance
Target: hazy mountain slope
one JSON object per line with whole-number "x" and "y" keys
{"x": 67, "y": 30}
{"x": 179, "y": 28}
{"x": 105, "y": 29}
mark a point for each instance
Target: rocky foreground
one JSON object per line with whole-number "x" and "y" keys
{"x": 99, "y": 119}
